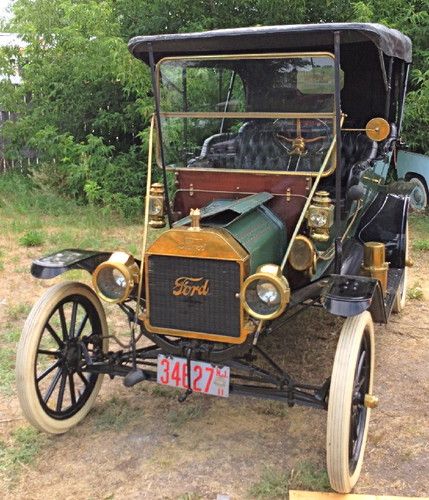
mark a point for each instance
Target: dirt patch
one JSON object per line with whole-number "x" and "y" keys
{"x": 141, "y": 443}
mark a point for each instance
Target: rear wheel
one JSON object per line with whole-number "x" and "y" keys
{"x": 419, "y": 195}
{"x": 66, "y": 330}
{"x": 348, "y": 416}
{"x": 401, "y": 295}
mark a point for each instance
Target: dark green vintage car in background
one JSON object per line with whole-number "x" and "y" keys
{"x": 274, "y": 144}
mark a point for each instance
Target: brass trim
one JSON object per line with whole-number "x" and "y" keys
{"x": 146, "y": 216}
{"x": 191, "y": 192}
{"x": 273, "y": 274}
{"x": 253, "y": 55}
{"x": 126, "y": 265}
{"x": 374, "y": 262}
{"x": 243, "y": 114}
{"x": 370, "y": 401}
{"x": 300, "y": 264}
{"x": 208, "y": 243}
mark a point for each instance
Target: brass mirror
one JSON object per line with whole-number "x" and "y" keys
{"x": 377, "y": 129}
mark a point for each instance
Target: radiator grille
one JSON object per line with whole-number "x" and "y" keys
{"x": 205, "y": 302}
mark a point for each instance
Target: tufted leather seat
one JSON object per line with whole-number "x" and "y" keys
{"x": 258, "y": 148}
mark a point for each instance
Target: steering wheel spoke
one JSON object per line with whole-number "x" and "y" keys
{"x": 294, "y": 135}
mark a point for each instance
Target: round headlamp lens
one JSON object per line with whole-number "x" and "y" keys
{"x": 267, "y": 292}
{"x": 112, "y": 283}
{"x": 262, "y": 297}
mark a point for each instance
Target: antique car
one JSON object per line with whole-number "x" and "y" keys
{"x": 414, "y": 168}
{"x": 273, "y": 145}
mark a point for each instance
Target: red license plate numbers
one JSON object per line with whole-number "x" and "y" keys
{"x": 205, "y": 377}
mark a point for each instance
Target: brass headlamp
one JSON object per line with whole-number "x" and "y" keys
{"x": 320, "y": 216}
{"x": 266, "y": 293}
{"x": 156, "y": 206}
{"x": 115, "y": 278}
{"x": 303, "y": 256}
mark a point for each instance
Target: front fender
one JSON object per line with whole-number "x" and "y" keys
{"x": 386, "y": 221}
{"x": 351, "y": 295}
{"x": 71, "y": 258}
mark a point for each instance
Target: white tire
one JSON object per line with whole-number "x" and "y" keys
{"x": 53, "y": 388}
{"x": 348, "y": 418}
{"x": 401, "y": 295}
{"x": 419, "y": 195}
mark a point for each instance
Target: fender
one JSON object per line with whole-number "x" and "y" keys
{"x": 71, "y": 258}
{"x": 386, "y": 221}
{"x": 350, "y": 295}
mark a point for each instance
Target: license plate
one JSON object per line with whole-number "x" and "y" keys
{"x": 205, "y": 377}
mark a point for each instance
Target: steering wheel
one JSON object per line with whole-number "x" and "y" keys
{"x": 289, "y": 133}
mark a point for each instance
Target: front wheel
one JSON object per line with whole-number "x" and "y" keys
{"x": 66, "y": 330}
{"x": 348, "y": 414}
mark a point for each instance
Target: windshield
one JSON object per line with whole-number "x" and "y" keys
{"x": 255, "y": 113}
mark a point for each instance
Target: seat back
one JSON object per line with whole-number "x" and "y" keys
{"x": 258, "y": 148}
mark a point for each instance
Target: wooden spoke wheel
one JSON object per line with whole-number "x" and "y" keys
{"x": 348, "y": 417}
{"x": 66, "y": 330}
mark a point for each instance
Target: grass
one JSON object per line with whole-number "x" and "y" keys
{"x": 7, "y": 373}
{"x": 415, "y": 292}
{"x": 276, "y": 484}
{"x": 421, "y": 244}
{"x": 272, "y": 484}
{"x": 32, "y": 238}
{"x": 183, "y": 414}
{"x": 419, "y": 224}
{"x": 22, "y": 449}
{"x": 18, "y": 311}
{"x": 115, "y": 414}
{"x": 272, "y": 408}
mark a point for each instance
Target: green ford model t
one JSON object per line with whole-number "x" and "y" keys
{"x": 274, "y": 145}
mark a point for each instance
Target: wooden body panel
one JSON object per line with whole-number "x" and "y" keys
{"x": 198, "y": 188}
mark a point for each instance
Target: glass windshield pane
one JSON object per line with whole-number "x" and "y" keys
{"x": 289, "y": 145}
{"x": 211, "y": 112}
{"x": 289, "y": 84}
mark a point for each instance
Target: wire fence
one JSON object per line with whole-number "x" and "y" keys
{"x": 26, "y": 157}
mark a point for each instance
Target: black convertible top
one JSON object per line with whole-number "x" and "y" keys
{"x": 271, "y": 39}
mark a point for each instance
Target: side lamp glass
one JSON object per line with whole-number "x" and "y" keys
{"x": 156, "y": 206}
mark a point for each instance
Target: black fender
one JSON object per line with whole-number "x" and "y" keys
{"x": 385, "y": 221}
{"x": 71, "y": 258}
{"x": 351, "y": 295}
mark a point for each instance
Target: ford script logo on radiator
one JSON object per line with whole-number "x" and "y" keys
{"x": 188, "y": 287}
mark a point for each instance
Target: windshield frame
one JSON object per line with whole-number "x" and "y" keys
{"x": 331, "y": 154}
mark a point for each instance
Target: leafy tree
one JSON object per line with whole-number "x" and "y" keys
{"x": 84, "y": 90}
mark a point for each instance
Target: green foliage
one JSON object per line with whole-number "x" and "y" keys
{"x": 421, "y": 244}
{"x": 32, "y": 239}
{"x": 86, "y": 107}
{"x": 415, "y": 292}
{"x": 276, "y": 484}
{"x": 7, "y": 374}
{"x": 116, "y": 414}
{"x": 23, "y": 449}
{"x": 272, "y": 484}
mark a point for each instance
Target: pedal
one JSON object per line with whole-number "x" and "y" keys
{"x": 134, "y": 377}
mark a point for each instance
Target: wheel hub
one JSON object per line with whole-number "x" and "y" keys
{"x": 71, "y": 356}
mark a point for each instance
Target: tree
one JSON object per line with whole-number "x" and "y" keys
{"x": 86, "y": 101}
